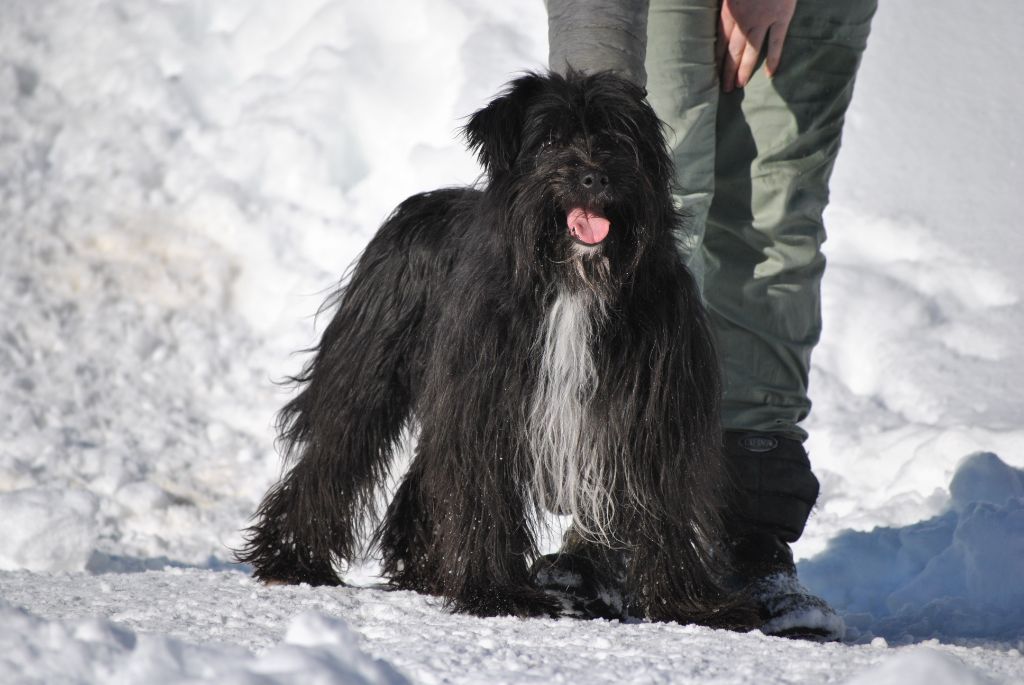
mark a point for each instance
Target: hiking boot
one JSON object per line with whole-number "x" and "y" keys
{"x": 763, "y": 564}
{"x": 776, "y": 493}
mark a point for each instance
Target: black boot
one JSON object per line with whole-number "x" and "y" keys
{"x": 763, "y": 564}
{"x": 777, "y": 491}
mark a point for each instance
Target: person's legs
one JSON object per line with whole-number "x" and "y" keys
{"x": 777, "y": 141}
{"x": 754, "y": 167}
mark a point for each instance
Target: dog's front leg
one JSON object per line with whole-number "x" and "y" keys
{"x": 489, "y": 547}
{"x": 676, "y": 568}
{"x": 482, "y": 538}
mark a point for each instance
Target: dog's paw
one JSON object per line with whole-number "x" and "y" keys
{"x": 512, "y": 600}
{"x": 297, "y": 577}
{"x": 584, "y": 587}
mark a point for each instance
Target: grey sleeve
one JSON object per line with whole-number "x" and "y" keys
{"x": 598, "y": 35}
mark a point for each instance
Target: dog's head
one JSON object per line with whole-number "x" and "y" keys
{"x": 580, "y": 163}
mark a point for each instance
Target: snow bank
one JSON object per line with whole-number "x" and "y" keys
{"x": 47, "y": 529}
{"x": 918, "y": 369}
{"x": 953, "y": 576}
{"x": 315, "y": 649}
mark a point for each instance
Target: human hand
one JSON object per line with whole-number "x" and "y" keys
{"x": 742, "y": 27}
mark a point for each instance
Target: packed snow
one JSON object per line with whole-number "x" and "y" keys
{"x": 182, "y": 181}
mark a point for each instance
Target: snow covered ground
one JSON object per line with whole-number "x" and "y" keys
{"x": 180, "y": 182}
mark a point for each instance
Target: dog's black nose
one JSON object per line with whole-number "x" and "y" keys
{"x": 594, "y": 181}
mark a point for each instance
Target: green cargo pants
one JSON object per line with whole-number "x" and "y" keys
{"x": 754, "y": 166}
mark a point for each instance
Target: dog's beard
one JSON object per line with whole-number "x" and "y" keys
{"x": 590, "y": 271}
{"x": 573, "y": 469}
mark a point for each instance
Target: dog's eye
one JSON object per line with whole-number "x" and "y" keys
{"x": 553, "y": 140}
{"x": 548, "y": 148}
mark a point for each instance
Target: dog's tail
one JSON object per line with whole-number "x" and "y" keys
{"x": 356, "y": 396}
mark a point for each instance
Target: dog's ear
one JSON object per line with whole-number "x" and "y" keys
{"x": 495, "y": 132}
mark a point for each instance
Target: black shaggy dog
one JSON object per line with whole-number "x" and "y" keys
{"x": 545, "y": 337}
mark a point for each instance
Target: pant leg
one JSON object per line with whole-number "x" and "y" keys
{"x": 777, "y": 141}
{"x": 682, "y": 85}
{"x": 598, "y": 35}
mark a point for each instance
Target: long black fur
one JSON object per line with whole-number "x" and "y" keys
{"x": 439, "y": 324}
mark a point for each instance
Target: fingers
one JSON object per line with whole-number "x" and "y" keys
{"x": 746, "y": 30}
{"x": 776, "y": 38}
{"x": 737, "y": 44}
{"x": 726, "y": 25}
{"x": 751, "y": 52}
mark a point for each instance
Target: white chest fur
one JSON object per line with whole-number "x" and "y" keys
{"x": 570, "y": 455}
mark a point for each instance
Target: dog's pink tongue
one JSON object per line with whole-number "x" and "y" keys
{"x": 588, "y": 227}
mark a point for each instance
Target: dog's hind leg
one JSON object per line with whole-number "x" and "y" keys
{"x": 357, "y": 393}
{"x": 342, "y": 428}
